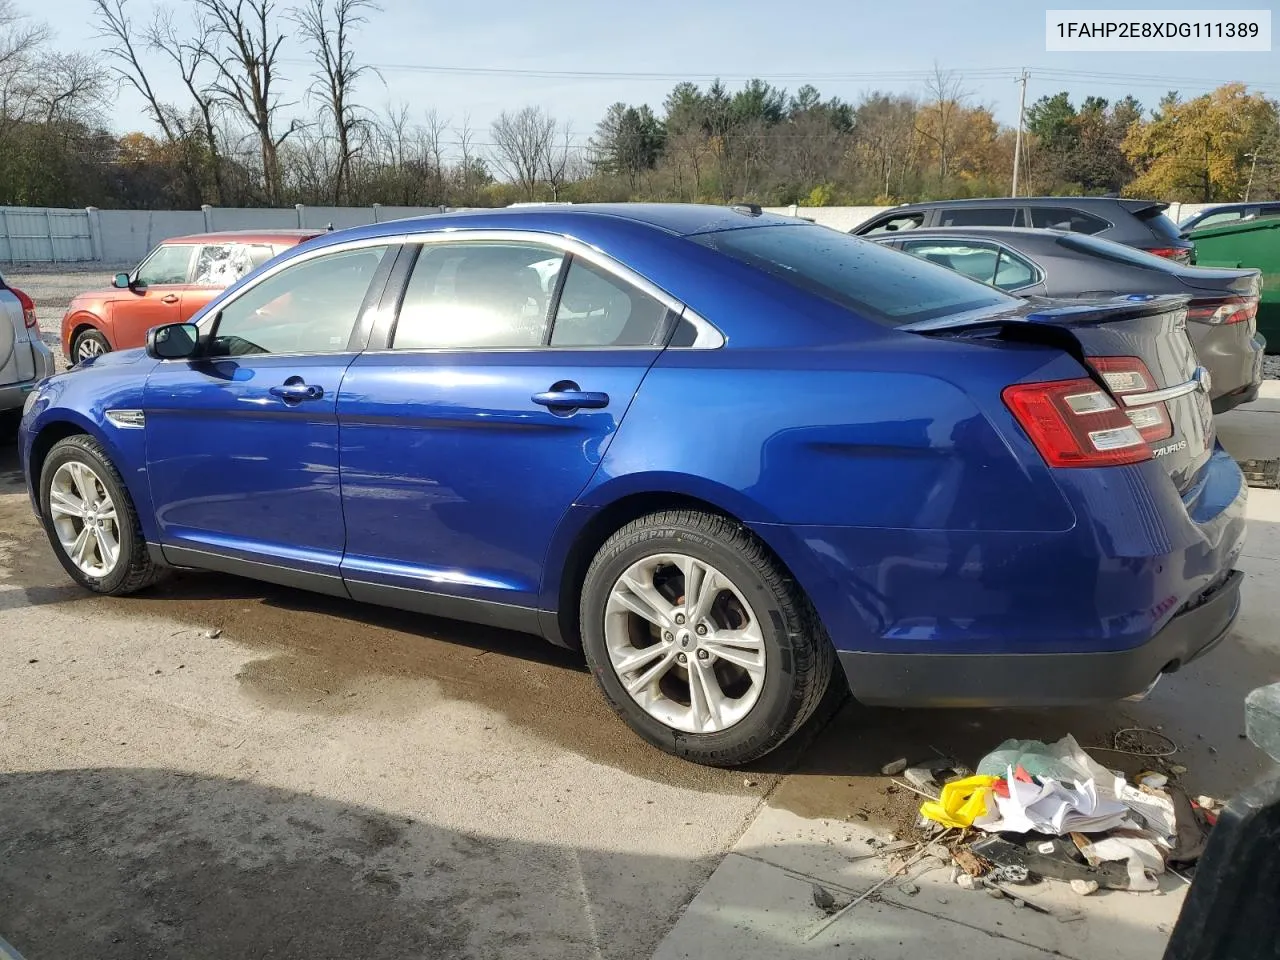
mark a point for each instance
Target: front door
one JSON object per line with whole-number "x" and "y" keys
{"x": 154, "y": 299}
{"x": 242, "y": 444}
{"x": 466, "y": 438}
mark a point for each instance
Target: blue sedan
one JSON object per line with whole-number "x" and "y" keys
{"x": 734, "y": 458}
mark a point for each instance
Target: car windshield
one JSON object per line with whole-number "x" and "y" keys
{"x": 1119, "y": 252}
{"x": 882, "y": 284}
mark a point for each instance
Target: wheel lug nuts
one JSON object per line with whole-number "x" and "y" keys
{"x": 702, "y": 654}
{"x": 682, "y": 658}
{"x": 668, "y": 636}
{"x": 702, "y": 629}
{"x": 679, "y": 618}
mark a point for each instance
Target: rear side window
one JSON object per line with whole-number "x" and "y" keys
{"x": 893, "y": 223}
{"x": 1065, "y": 218}
{"x": 597, "y": 309}
{"x": 884, "y": 285}
{"x": 1159, "y": 224}
{"x": 477, "y": 295}
{"x": 222, "y": 264}
{"x": 976, "y": 260}
{"x": 981, "y": 217}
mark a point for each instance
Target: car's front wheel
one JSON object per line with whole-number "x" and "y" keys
{"x": 700, "y": 640}
{"x": 90, "y": 519}
{"x": 88, "y": 344}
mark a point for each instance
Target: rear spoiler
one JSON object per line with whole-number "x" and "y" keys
{"x": 1054, "y": 313}
{"x": 1143, "y": 209}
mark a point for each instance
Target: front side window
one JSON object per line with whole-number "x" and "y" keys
{"x": 222, "y": 264}
{"x": 894, "y": 223}
{"x": 477, "y": 295}
{"x": 884, "y": 285}
{"x": 167, "y": 265}
{"x": 597, "y": 309}
{"x": 310, "y": 307}
{"x": 981, "y": 217}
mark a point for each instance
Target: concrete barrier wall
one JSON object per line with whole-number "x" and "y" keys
{"x": 52, "y": 235}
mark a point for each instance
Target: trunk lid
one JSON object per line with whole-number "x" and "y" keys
{"x": 1137, "y": 348}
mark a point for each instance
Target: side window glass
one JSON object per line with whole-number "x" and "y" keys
{"x": 980, "y": 217}
{"x": 1013, "y": 272}
{"x": 168, "y": 264}
{"x": 597, "y": 309}
{"x": 974, "y": 260}
{"x": 892, "y": 224}
{"x": 1217, "y": 218}
{"x": 310, "y": 307}
{"x": 1065, "y": 218}
{"x": 477, "y": 295}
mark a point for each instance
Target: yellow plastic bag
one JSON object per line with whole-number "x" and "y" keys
{"x": 961, "y": 802}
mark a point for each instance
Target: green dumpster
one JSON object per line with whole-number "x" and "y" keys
{"x": 1250, "y": 243}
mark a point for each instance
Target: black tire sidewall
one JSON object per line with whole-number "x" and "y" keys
{"x": 87, "y": 335}
{"x": 775, "y": 709}
{"x": 88, "y": 452}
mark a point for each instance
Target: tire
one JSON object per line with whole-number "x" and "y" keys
{"x": 132, "y": 569}
{"x": 91, "y": 343}
{"x": 757, "y": 712}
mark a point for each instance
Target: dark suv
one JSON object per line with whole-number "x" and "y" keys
{"x": 1136, "y": 223}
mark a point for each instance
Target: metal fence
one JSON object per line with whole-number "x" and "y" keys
{"x": 56, "y": 235}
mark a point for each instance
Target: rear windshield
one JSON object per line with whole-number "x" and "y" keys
{"x": 1117, "y": 252}
{"x": 882, "y": 284}
{"x": 1160, "y": 225}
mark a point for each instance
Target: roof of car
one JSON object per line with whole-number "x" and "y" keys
{"x": 680, "y": 219}
{"x": 995, "y": 233}
{"x": 249, "y": 236}
{"x": 1128, "y": 202}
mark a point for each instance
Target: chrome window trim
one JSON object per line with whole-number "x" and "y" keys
{"x": 708, "y": 337}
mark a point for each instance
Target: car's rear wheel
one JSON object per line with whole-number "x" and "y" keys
{"x": 700, "y": 640}
{"x": 88, "y": 344}
{"x": 90, "y": 519}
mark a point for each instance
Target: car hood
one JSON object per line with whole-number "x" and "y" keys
{"x": 115, "y": 358}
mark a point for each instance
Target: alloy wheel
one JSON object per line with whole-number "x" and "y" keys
{"x": 685, "y": 643}
{"x": 87, "y": 348}
{"x": 84, "y": 519}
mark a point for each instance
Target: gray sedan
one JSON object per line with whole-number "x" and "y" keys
{"x": 1053, "y": 263}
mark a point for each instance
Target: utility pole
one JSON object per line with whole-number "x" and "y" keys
{"x": 1017, "y": 142}
{"x": 1252, "y": 167}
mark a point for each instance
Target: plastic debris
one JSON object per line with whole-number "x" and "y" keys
{"x": 931, "y": 776}
{"x": 894, "y": 768}
{"x": 962, "y": 802}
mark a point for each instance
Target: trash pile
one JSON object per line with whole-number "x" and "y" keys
{"x": 1033, "y": 810}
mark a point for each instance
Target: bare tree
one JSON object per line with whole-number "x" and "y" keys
{"x": 521, "y": 144}
{"x": 561, "y": 162}
{"x": 116, "y": 29}
{"x": 244, "y": 45}
{"x": 72, "y": 88}
{"x": 327, "y": 27}
{"x": 22, "y": 43}
{"x": 946, "y": 97}
{"x": 433, "y": 134}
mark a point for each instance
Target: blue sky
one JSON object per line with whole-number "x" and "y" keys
{"x": 868, "y": 45}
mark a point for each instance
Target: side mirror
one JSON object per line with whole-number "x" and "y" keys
{"x": 173, "y": 341}
{"x": 121, "y": 281}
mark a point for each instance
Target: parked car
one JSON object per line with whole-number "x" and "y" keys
{"x": 24, "y": 358}
{"x": 170, "y": 285}
{"x": 1221, "y": 313}
{"x": 1135, "y": 223}
{"x": 726, "y": 451}
{"x": 1248, "y": 243}
{"x": 1224, "y": 213}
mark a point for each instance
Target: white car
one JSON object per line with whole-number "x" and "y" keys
{"x": 25, "y": 360}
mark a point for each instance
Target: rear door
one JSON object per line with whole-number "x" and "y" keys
{"x": 242, "y": 444}
{"x": 498, "y": 388}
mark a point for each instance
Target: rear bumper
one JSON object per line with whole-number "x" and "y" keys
{"x": 1043, "y": 679}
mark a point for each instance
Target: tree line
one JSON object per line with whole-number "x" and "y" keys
{"x": 226, "y": 136}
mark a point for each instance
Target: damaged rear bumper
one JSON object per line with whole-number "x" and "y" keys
{"x": 1043, "y": 679}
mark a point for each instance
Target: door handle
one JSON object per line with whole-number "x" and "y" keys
{"x": 169, "y": 298}
{"x": 297, "y": 392}
{"x": 571, "y": 399}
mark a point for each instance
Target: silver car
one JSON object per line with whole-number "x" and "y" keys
{"x": 25, "y": 360}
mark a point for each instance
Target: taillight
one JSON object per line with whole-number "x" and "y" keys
{"x": 28, "y": 308}
{"x": 1074, "y": 423}
{"x": 1219, "y": 310}
{"x": 1181, "y": 254}
{"x": 1129, "y": 375}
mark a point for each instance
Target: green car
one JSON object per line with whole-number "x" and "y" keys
{"x": 1249, "y": 243}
